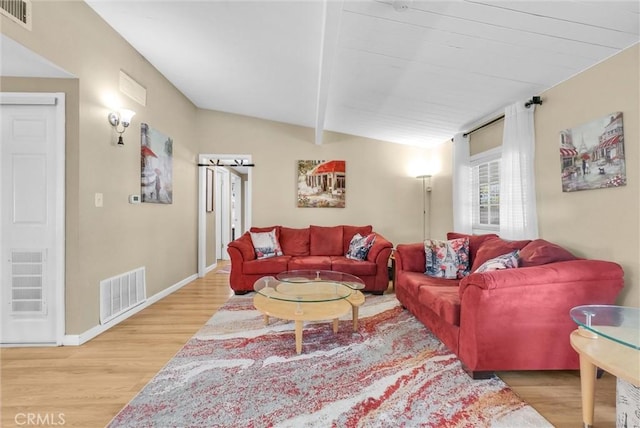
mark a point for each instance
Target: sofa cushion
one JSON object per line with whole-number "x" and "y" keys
{"x": 294, "y": 242}
{"x": 495, "y": 247}
{"x": 359, "y": 246}
{"x": 353, "y": 267}
{"x": 325, "y": 241}
{"x": 310, "y": 263}
{"x": 265, "y": 266}
{"x": 418, "y": 279}
{"x": 266, "y": 244}
{"x": 444, "y": 301}
{"x": 348, "y": 232}
{"x": 447, "y": 259}
{"x": 505, "y": 261}
{"x": 540, "y": 252}
{"x": 475, "y": 241}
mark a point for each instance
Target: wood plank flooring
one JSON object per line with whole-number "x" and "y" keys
{"x": 85, "y": 386}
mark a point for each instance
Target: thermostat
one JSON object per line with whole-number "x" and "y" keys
{"x": 134, "y": 199}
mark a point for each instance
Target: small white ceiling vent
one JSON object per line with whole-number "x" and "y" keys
{"x": 18, "y": 11}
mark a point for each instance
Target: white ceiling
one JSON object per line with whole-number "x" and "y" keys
{"x": 370, "y": 68}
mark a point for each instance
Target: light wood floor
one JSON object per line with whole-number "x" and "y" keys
{"x": 85, "y": 386}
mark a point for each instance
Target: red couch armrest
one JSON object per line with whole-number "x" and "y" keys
{"x": 380, "y": 244}
{"x": 244, "y": 245}
{"x": 518, "y": 319}
{"x": 410, "y": 257}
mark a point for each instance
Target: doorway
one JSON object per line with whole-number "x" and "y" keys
{"x": 232, "y": 206}
{"x": 32, "y": 178}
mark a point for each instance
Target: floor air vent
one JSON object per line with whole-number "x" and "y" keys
{"x": 121, "y": 293}
{"x": 18, "y": 11}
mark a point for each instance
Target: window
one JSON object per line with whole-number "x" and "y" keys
{"x": 485, "y": 187}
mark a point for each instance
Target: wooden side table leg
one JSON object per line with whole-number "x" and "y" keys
{"x": 266, "y": 319}
{"x": 299, "y": 337}
{"x": 587, "y": 387}
{"x": 335, "y": 325}
{"x": 355, "y": 318}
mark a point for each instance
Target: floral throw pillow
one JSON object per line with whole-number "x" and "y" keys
{"x": 360, "y": 245}
{"x": 447, "y": 259}
{"x": 505, "y": 261}
{"x": 266, "y": 244}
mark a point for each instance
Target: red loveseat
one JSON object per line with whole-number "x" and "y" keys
{"x": 507, "y": 319}
{"x": 311, "y": 248}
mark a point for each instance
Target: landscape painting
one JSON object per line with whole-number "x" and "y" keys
{"x": 321, "y": 184}
{"x": 156, "y": 165}
{"x": 592, "y": 155}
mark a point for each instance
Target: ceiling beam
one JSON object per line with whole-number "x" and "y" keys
{"x": 331, "y": 14}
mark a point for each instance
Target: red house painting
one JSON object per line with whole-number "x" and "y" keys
{"x": 321, "y": 184}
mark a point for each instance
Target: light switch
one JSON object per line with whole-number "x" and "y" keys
{"x": 99, "y": 200}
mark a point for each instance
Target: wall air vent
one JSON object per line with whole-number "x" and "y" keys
{"x": 18, "y": 11}
{"x": 122, "y": 292}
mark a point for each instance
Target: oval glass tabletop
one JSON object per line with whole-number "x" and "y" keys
{"x": 308, "y": 286}
{"x": 618, "y": 323}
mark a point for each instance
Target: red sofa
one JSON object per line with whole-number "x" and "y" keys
{"x": 507, "y": 319}
{"x": 314, "y": 247}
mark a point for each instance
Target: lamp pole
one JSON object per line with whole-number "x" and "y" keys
{"x": 425, "y": 189}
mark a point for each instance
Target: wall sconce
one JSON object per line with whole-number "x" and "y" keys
{"x": 120, "y": 121}
{"x": 426, "y": 188}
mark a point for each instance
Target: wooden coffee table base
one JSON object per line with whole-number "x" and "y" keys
{"x": 315, "y": 311}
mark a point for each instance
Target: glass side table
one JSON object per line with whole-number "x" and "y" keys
{"x": 607, "y": 337}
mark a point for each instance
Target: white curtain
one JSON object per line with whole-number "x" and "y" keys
{"x": 462, "y": 196}
{"x": 518, "y": 217}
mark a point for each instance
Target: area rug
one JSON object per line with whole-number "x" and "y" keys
{"x": 392, "y": 372}
{"x": 226, "y": 269}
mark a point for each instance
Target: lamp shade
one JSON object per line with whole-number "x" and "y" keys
{"x": 125, "y": 116}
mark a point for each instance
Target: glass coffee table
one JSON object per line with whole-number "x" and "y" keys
{"x": 309, "y": 295}
{"x": 607, "y": 337}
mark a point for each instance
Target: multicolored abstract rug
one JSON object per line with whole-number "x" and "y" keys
{"x": 392, "y": 372}
{"x": 226, "y": 270}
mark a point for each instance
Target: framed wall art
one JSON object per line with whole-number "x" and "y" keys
{"x": 156, "y": 165}
{"x": 592, "y": 155}
{"x": 321, "y": 184}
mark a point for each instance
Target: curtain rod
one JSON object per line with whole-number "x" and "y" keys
{"x": 533, "y": 100}
{"x": 466, "y": 134}
{"x": 236, "y": 163}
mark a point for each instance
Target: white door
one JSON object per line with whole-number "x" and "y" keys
{"x": 223, "y": 212}
{"x": 31, "y": 227}
{"x": 236, "y": 206}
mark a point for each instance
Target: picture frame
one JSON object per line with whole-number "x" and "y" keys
{"x": 592, "y": 155}
{"x": 156, "y": 166}
{"x": 321, "y": 184}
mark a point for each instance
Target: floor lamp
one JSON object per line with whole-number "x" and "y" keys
{"x": 426, "y": 188}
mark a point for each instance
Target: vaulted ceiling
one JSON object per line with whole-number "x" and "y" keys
{"x": 406, "y": 71}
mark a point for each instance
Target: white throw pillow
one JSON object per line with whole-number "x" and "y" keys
{"x": 266, "y": 244}
{"x": 505, "y": 261}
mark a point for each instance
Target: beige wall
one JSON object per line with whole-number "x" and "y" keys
{"x": 486, "y": 138}
{"x": 603, "y": 223}
{"x": 103, "y": 242}
{"x": 380, "y": 189}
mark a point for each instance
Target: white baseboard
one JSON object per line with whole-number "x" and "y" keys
{"x": 79, "y": 339}
{"x": 211, "y": 267}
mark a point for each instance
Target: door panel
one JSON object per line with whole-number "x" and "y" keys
{"x": 28, "y": 224}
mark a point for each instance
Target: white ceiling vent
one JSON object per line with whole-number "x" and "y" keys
{"x": 18, "y": 11}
